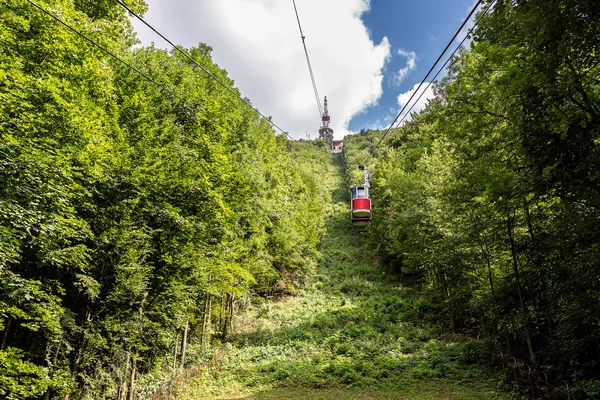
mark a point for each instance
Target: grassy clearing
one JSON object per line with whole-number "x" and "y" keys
{"x": 414, "y": 391}
{"x": 352, "y": 332}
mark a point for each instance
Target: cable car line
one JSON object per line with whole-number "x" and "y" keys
{"x": 312, "y": 77}
{"x": 360, "y": 200}
{"x": 137, "y": 70}
{"x": 104, "y": 49}
{"x": 177, "y": 48}
{"x": 426, "y": 76}
{"x": 444, "y": 65}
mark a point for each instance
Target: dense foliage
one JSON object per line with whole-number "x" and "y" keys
{"x": 133, "y": 216}
{"x": 351, "y": 332}
{"x": 490, "y": 196}
{"x": 136, "y": 217}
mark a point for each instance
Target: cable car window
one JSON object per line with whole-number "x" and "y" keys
{"x": 353, "y": 192}
{"x": 361, "y": 192}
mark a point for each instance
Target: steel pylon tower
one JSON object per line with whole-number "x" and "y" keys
{"x": 325, "y": 132}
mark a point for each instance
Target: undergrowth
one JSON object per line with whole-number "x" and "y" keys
{"x": 352, "y": 326}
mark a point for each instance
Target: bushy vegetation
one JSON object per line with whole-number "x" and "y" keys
{"x": 351, "y": 326}
{"x": 489, "y": 198}
{"x": 150, "y": 225}
{"x": 134, "y": 216}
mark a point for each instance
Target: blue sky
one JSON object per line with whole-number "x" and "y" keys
{"x": 423, "y": 27}
{"x": 354, "y": 48}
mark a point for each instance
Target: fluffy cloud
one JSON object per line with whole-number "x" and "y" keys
{"x": 258, "y": 43}
{"x": 426, "y": 95}
{"x": 411, "y": 64}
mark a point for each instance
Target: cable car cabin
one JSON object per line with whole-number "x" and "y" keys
{"x": 361, "y": 205}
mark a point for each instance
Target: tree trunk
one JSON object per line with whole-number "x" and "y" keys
{"x": 5, "y": 336}
{"x": 470, "y": 273}
{"x": 538, "y": 258}
{"x": 123, "y": 386}
{"x": 77, "y": 364}
{"x": 490, "y": 274}
{"x": 231, "y": 303}
{"x": 442, "y": 277}
{"x": 132, "y": 383}
{"x": 134, "y": 356}
{"x": 51, "y": 364}
{"x": 206, "y": 318}
{"x": 225, "y": 322}
{"x": 80, "y": 352}
{"x": 221, "y": 316}
{"x": 184, "y": 345}
{"x": 509, "y": 227}
{"x": 228, "y": 320}
{"x": 175, "y": 354}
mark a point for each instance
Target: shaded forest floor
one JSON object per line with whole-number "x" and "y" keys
{"x": 351, "y": 332}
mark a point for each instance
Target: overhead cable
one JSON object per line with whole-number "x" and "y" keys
{"x": 113, "y": 55}
{"x": 428, "y": 73}
{"x": 312, "y": 77}
{"x": 104, "y": 49}
{"x": 444, "y": 65}
{"x": 213, "y": 76}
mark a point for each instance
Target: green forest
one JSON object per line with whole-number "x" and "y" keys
{"x": 159, "y": 240}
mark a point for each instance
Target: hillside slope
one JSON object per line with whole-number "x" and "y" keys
{"x": 350, "y": 333}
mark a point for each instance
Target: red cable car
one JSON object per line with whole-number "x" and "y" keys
{"x": 361, "y": 202}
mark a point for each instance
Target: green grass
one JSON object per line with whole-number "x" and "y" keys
{"x": 418, "y": 391}
{"x": 352, "y": 332}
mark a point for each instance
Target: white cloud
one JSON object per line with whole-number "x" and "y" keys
{"x": 380, "y": 124}
{"x": 426, "y": 93}
{"x": 411, "y": 64}
{"x": 258, "y": 43}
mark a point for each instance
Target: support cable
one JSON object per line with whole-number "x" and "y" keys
{"x": 137, "y": 70}
{"x": 213, "y": 76}
{"x": 312, "y": 77}
{"x": 444, "y": 65}
{"x": 104, "y": 49}
{"x": 427, "y": 75}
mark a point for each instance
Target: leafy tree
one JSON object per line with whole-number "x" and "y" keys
{"x": 134, "y": 216}
{"x": 489, "y": 196}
